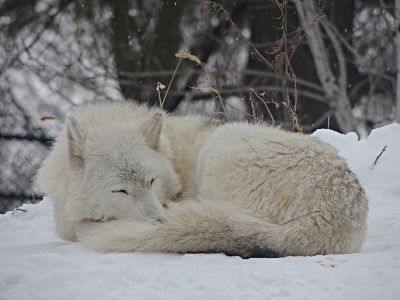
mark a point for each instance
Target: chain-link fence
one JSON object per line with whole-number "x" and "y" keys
{"x": 19, "y": 160}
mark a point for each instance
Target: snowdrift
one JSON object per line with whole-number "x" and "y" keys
{"x": 36, "y": 264}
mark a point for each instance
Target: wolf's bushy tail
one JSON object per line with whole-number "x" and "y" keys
{"x": 207, "y": 227}
{"x": 189, "y": 227}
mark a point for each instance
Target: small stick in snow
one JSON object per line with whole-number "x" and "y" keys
{"x": 18, "y": 209}
{"x": 379, "y": 156}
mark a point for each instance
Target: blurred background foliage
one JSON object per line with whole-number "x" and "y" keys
{"x": 302, "y": 64}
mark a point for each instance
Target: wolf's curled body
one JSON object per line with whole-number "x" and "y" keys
{"x": 236, "y": 188}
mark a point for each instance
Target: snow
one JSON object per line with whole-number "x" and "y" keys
{"x": 36, "y": 264}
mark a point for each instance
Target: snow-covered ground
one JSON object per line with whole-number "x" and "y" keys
{"x": 36, "y": 264}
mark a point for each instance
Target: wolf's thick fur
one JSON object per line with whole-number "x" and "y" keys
{"x": 102, "y": 152}
{"x": 247, "y": 190}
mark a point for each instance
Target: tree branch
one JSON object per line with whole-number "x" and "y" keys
{"x": 27, "y": 137}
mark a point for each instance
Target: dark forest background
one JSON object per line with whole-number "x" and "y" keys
{"x": 303, "y": 64}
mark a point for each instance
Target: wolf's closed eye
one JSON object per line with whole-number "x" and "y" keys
{"x": 120, "y": 191}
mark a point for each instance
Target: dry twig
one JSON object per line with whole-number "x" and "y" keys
{"x": 213, "y": 88}
{"x": 260, "y": 96}
{"x": 47, "y": 118}
{"x": 19, "y": 209}
{"x": 379, "y": 156}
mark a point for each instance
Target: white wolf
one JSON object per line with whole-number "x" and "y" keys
{"x": 248, "y": 190}
{"x": 109, "y": 163}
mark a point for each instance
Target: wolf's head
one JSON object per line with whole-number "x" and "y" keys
{"x": 119, "y": 171}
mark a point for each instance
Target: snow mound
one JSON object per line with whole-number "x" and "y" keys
{"x": 36, "y": 264}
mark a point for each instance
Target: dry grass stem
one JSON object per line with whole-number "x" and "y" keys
{"x": 169, "y": 84}
{"x": 260, "y": 96}
{"x": 213, "y": 88}
{"x": 253, "y": 110}
{"x": 329, "y": 121}
{"x": 189, "y": 56}
{"x": 159, "y": 87}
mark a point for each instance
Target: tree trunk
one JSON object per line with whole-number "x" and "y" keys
{"x": 334, "y": 87}
{"x": 139, "y": 48}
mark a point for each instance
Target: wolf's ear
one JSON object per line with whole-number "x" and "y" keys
{"x": 152, "y": 130}
{"x": 76, "y": 141}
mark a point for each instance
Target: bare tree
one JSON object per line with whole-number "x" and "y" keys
{"x": 334, "y": 87}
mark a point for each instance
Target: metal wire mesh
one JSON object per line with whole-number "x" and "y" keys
{"x": 19, "y": 161}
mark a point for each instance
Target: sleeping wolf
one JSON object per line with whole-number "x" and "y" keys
{"x": 240, "y": 189}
